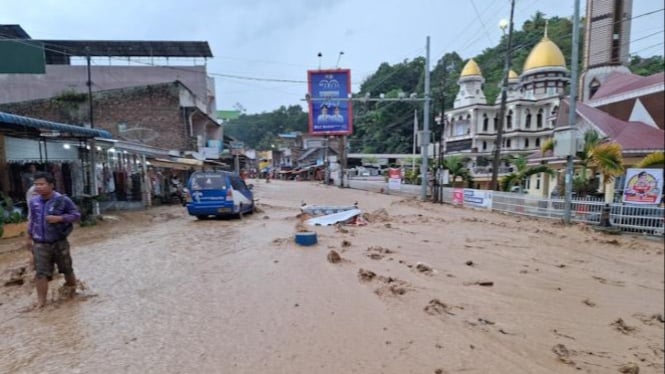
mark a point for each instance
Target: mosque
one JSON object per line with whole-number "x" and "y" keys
{"x": 533, "y": 99}
{"x": 619, "y": 105}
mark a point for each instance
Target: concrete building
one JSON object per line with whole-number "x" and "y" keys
{"x": 166, "y": 115}
{"x": 115, "y": 64}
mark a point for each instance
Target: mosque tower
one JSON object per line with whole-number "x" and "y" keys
{"x": 606, "y": 44}
{"x": 471, "y": 86}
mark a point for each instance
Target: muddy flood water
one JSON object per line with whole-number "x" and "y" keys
{"x": 422, "y": 288}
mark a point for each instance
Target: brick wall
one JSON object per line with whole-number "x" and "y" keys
{"x": 150, "y": 114}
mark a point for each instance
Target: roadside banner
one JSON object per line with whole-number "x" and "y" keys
{"x": 478, "y": 198}
{"x": 643, "y": 186}
{"x": 330, "y": 110}
{"x": 458, "y": 196}
{"x": 394, "y": 179}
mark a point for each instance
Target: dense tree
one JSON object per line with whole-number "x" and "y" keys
{"x": 259, "y": 131}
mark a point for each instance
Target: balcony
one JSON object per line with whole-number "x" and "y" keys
{"x": 486, "y": 170}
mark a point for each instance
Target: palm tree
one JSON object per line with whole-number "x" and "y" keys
{"x": 598, "y": 153}
{"x": 456, "y": 166}
{"x": 655, "y": 159}
{"x": 522, "y": 172}
{"x": 607, "y": 157}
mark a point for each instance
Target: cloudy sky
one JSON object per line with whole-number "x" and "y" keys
{"x": 263, "y": 48}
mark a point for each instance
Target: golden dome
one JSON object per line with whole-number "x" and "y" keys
{"x": 512, "y": 74}
{"x": 471, "y": 68}
{"x": 544, "y": 54}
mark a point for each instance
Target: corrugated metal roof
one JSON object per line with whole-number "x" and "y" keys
{"x": 15, "y": 123}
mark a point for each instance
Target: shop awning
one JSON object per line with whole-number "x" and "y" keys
{"x": 18, "y": 124}
{"x": 177, "y": 164}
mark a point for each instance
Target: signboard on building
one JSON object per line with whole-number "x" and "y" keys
{"x": 22, "y": 57}
{"x": 237, "y": 148}
{"x": 458, "y": 145}
{"x": 330, "y": 111}
{"x": 643, "y": 186}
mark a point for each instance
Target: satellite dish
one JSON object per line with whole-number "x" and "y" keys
{"x": 139, "y": 134}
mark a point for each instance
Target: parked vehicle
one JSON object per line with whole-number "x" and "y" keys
{"x": 218, "y": 194}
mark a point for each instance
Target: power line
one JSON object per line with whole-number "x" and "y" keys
{"x": 473, "y": 4}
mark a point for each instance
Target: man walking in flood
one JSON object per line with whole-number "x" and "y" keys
{"x": 51, "y": 220}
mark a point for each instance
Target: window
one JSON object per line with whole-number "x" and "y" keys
{"x": 526, "y": 143}
{"x": 484, "y": 146}
{"x": 509, "y": 120}
{"x": 485, "y": 122}
{"x": 538, "y": 181}
{"x": 508, "y": 143}
{"x": 496, "y": 123}
{"x": 527, "y": 123}
{"x": 539, "y": 118}
{"x": 537, "y": 142}
{"x": 593, "y": 87}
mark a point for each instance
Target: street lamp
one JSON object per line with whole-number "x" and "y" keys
{"x": 504, "y": 92}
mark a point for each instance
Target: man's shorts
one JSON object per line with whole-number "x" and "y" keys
{"x": 48, "y": 254}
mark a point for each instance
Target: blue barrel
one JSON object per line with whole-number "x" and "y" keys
{"x": 306, "y": 238}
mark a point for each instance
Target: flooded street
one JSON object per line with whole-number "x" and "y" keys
{"x": 165, "y": 293}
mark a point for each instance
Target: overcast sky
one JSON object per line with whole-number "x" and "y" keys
{"x": 280, "y": 40}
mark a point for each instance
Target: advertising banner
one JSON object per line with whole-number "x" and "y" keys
{"x": 330, "y": 111}
{"x": 478, "y": 198}
{"x": 643, "y": 186}
{"x": 394, "y": 179}
{"x": 458, "y": 196}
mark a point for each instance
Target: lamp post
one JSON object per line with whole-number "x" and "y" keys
{"x": 494, "y": 185}
{"x": 572, "y": 113}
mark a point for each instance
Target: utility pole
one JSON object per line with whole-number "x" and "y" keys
{"x": 441, "y": 126}
{"x": 494, "y": 184}
{"x": 425, "y": 138}
{"x": 572, "y": 115}
{"x": 415, "y": 139}
{"x": 342, "y": 159}
{"x": 92, "y": 143}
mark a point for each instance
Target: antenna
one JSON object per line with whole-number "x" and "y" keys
{"x": 320, "y": 55}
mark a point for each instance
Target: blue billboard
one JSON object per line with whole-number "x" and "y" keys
{"x": 330, "y": 110}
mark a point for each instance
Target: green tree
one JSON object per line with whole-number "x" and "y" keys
{"x": 598, "y": 154}
{"x": 456, "y": 166}
{"x": 655, "y": 159}
{"x": 647, "y": 66}
{"x": 259, "y": 131}
{"x": 522, "y": 172}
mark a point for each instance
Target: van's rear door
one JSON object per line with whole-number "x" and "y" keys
{"x": 209, "y": 190}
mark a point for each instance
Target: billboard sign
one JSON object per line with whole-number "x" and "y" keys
{"x": 643, "y": 186}
{"x": 394, "y": 179}
{"x": 330, "y": 110}
{"x": 478, "y": 198}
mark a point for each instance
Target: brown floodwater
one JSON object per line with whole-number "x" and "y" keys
{"x": 161, "y": 292}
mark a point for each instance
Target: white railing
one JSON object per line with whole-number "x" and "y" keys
{"x": 646, "y": 219}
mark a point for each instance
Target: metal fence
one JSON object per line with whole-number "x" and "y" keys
{"x": 646, "y": 219}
